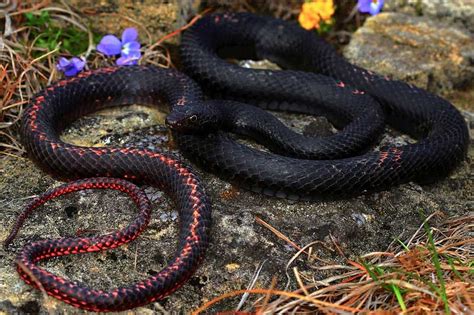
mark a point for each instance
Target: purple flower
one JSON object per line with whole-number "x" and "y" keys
{"x": 370, "y": 6}
{"x": 128, "y": 48}
{"x": 70, "y": 67}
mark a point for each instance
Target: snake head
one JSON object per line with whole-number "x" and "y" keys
{"x": 193, "y": 118}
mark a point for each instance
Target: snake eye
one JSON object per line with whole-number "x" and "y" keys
{"x": 193, "y": 118}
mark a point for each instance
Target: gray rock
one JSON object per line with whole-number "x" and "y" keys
{"x": 456, "y": 11}
{"x": 153, "y": 18}
{"x": 418, "y": 50}
{"x": 239, "y": 242}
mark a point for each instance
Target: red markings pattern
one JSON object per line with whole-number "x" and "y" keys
{"x": 156, "y": 287}
{"x": 395, "y": 155}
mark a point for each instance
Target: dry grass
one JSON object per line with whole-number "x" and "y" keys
{"x": 22, "y": 74}
{"x": 432, "y": 273}
{"x": 26, "y": 67}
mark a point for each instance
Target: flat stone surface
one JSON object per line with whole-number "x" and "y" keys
{"x": 418, "y": 50}
{"x": 153, "y": 18}
{"x": 240, "y": 244}
{"x": 460, "y": 12}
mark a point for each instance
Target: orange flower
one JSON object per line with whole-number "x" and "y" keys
{"x": 312, "y": 13}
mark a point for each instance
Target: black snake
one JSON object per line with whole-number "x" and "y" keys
{"x": 347, "y": 94}
{"x": 329, "y": 84}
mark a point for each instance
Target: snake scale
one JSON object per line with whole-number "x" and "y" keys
{"x": 320, "y": 82}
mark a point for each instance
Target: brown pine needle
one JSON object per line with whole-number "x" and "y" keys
{"x": 278, "y": 233}
{"x": 300, "y": 282}
{"x": 313, "y": 301}
{"x": 179, "y": 30}
{"x": 268, "y": 295}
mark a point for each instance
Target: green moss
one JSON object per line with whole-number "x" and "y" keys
{"x": 419, "y": 8}
{"x": 51, "y": 34}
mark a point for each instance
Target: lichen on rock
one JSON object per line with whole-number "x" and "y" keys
{"x": 430, "y": 54}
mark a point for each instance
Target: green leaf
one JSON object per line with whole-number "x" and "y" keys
{"x": 50, "y": 33}
{"x": 398, "y": 295}
{"x": 439, "y": 272}
{"x": 403, "y": 245}
{"x": 453, "y": 267}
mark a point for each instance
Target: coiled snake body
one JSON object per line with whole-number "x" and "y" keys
{"x": 347, "y": 94}
{"x": 441, "y": 130}
{"x": 48, "y": 113}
